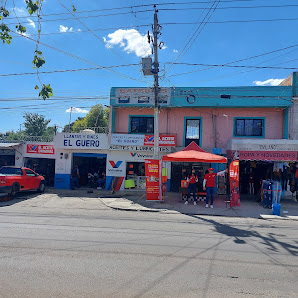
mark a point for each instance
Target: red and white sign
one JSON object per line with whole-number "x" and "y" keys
{"x": 268, "y": 155}
{"x": 40, "y": 149}
{"x": 167, "y": 140}
{"x": 153, "y": 179}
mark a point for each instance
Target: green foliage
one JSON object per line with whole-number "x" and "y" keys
{"x": 38, "y": 60}
{"x": 79, "y": 125}
{"x": 21, "y": 28}
{"x": 4, "y": 34}
{"x": 46, "y": 91}
{"x": 73, "y": 8}
{"x": 3, "y": 13}
{"x": 35, "y": 124}
{"x": 98, "y": 116}
{"x": 32, "y": 6}
{"x": 12, "y": 135}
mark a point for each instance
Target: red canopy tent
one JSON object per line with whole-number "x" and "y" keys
{"x": 194, "y": 153}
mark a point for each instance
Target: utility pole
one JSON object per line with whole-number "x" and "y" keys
{"x": 69, "y": 119}
{"x": 155, "y": 71}
{"x": 148, "y": 70}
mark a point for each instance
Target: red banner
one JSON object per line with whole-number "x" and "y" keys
{"x": 166, "y": 141}
{"x": 153, "y": 176}
{"x": 40, "y": 149}
{"x": 234, "y": 184}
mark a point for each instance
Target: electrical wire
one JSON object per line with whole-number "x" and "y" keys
{"x": 195, "y": 34}
{"x": 82, "y": 59}
{"x": 98, "y": 38}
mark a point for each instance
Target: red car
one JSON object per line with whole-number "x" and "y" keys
{"x": 15, "y": 179}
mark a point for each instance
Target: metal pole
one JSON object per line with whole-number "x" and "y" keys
{"x": 69, "y": 119}
{"x": 156, "y": 85}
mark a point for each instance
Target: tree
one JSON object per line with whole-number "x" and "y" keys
{"x": 98, "y": 116}
{"x": 35, "y": 125}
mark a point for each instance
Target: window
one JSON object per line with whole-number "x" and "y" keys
{"x": 30, "y": 173}
{"x": 11, "y": 171}
{"x": 249, "y": 127}
{"x": 141, "y": 124}
{"x": 192, "y": 131}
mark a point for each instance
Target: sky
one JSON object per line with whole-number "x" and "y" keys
{"x": 112, "y": 36}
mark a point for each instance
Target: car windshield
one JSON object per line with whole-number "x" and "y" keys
{"x": 11, "y": 171}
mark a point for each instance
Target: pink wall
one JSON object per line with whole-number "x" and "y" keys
{"x": 172, "y": 122}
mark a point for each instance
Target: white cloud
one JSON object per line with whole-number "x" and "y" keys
{"x": 70, "y": 29}
{"x": 20, "y": 12}
{"x": 77, "y": 110}
{"x": 24, "y": 34}
{"x": 63, "y": 28}
{"x": 175, "y": 51}
{"x": 31, "y": 23}
{"x": 269, "y": 82}
{"x": 131, "y": 41}
{"x": 79, "y": 30}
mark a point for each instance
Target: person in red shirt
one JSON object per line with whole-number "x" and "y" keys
{"x": 192, "y": 187}
{"x": 209, "y": 185}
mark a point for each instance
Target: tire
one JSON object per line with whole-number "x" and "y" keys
{"x": 42, "y": 187}
{"x": 14, "y": 189}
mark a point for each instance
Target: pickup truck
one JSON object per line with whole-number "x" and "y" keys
{"x": 15, "y": 179}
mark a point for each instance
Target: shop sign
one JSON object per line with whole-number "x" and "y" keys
{"x": 142, "y": 96}
{"x": 127, "y": 139}
{"x": 153, "y": 183}
{"x": 40, "y": 149}
{"x": 167, "y": 140}
{"x": 81, "y": 141}
{"x": 234, "y": 183}
{"x": 143, "y": 140}
{"x": 268, "y": 155}
{"x": 141, "y": 156}
{"x": 115, "y": 168}
{"x": 139, "y": 148}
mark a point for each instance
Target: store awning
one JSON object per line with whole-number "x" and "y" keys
{"x": 8, "y": 145}
{"x": 263, "y": 149}
{"x": 194, "y": 153}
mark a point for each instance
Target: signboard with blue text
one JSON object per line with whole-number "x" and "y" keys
{"x": 81, "y": 141}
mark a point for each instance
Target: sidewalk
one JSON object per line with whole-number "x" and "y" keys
{"x": 173, "y": 204}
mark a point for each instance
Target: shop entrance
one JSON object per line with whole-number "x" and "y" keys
{"x": 43, "y": 166}
{"x": 7, "y": 157}
{"x": 180, "y": 169}
{"x": 136, "y": 171}
{"x": 254, "y": 172}
{"x": 90, "y": 163}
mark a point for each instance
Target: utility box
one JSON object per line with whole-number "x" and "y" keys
{"x": 147, "y": 66}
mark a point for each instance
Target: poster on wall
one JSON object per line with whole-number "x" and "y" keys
{"x": 40, "y": 149}
{"x": 153, "y": 183}
{"x": 234, "y": 184}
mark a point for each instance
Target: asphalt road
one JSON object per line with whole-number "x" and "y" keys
{"x": 132, "y": 254}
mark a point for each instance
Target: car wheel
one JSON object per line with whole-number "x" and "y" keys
{"x": 42, "y": 187}
{"x": 14, "y": 189}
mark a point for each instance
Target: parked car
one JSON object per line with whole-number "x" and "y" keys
{"x": 15, "y": 179}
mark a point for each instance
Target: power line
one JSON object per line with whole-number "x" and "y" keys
{"x": 133, "y": 6}
{"x": 98, "y": 38}
{"x": 82, "y": 59}
{"x": 196, "y": 33}
{"x": 66, "y": 70}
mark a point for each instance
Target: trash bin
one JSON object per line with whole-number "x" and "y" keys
{"x": 276, "y": 209}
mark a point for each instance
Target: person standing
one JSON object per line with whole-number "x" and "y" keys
{"x": 209, "y": 185}
{"x": 192, "y": 187}
{"x": 75, "y": 176}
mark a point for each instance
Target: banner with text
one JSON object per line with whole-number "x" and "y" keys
{"x": 234, "y": 184}
{"x": 142, "y": 140}
{"x": 40, "y": 149}
{"x": 153, "y": 183}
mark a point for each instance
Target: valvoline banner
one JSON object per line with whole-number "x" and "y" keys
{"x": 153, "y": 176}
{"x": 168, "y": 140}
{"x": 234, "y": 184}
